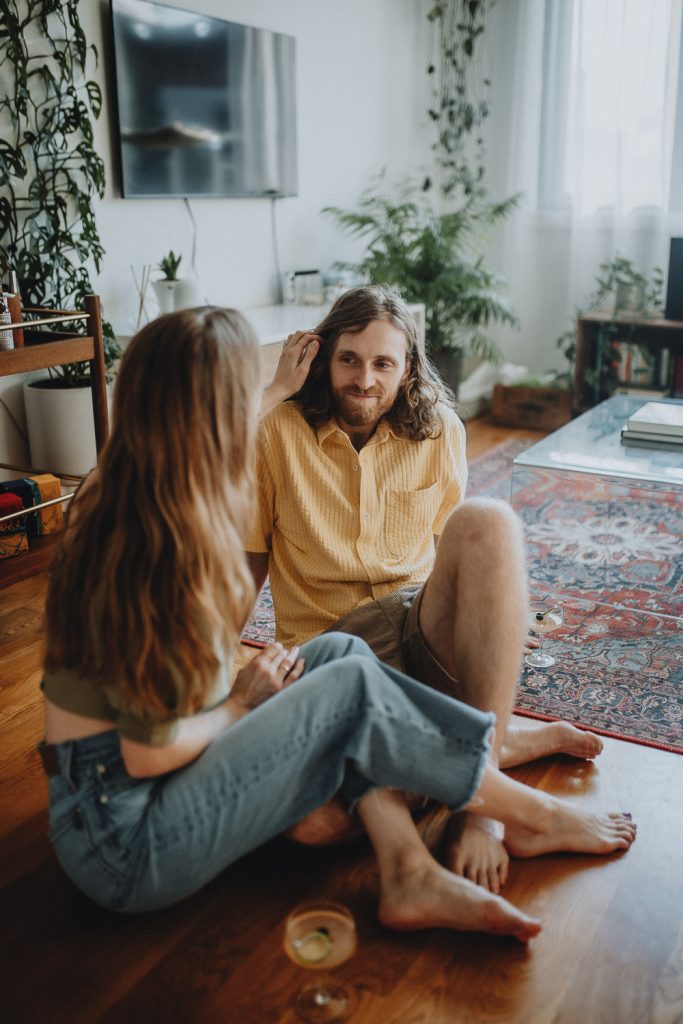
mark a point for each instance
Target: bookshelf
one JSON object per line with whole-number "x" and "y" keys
{"x": 604, "y": 347}
{"x": 42, "y": 349}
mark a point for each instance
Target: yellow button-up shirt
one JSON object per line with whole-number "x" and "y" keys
{"x": 344, "y": 527}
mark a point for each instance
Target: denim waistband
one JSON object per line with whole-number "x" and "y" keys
{"x": 72, "y": 758}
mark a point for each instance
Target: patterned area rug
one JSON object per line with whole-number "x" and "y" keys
{"x": 619, "y": 668}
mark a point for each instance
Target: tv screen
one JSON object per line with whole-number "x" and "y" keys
{"x": 206, "y": 107}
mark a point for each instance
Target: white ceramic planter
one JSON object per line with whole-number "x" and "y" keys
{"x": 165, "y": 292}
{"x": 182, "y": 294}
{"x": 61, "y": 430}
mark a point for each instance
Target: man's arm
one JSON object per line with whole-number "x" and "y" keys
{"x": 298, "y": 352}
{"x": 258, "y": 566}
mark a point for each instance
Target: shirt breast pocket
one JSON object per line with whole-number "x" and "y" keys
{"x": 408, "y": 520}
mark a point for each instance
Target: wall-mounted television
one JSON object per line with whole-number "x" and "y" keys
{"x": 205, "y": 107}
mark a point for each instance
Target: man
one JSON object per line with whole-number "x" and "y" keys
{"x": 358, "y": 477}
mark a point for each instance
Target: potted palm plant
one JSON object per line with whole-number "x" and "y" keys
{"x": 431, "y": 257}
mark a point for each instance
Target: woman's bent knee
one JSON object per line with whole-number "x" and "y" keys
{"x": 329, "y": 646}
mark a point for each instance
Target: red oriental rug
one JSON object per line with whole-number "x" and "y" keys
{"x": 618, "y": 666}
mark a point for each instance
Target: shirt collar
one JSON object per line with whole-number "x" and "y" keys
{"x": 331, "y": 428}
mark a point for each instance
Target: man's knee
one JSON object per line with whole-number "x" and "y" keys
{"x": 482, "y": 520}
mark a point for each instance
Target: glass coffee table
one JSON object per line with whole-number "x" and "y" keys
{"x": 603, "y": 521}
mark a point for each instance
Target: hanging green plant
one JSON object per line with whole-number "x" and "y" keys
{"x": 459, "y": 104}
{"x": 50, "y": 172}
{"x": 427, "y": 241}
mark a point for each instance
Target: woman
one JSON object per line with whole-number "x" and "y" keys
{"x": 160, "y": 773}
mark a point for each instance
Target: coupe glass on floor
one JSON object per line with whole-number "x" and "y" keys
{"x": 544, "y": 617}
{"x": 321, "y": 935}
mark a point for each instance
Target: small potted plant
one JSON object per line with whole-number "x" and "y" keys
{"x": 626, "y": 299}
{"x": 166, "y": 288}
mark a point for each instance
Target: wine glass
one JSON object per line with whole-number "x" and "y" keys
{"x": 544, "y": 617}
{"x": 319, "y": 936}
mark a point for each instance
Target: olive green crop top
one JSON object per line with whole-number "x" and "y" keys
{"x": 83, "y": 696}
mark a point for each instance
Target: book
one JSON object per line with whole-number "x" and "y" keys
{"x": 642, "y": 440}
{"x": 660, "y": 418}
{"x": 677, "y": 384}
{"x": 627, "y": 389}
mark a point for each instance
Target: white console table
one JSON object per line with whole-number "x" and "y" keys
{"x": 273, "y": 323}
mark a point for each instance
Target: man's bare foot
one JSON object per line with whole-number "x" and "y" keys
{"x": 559, "y": 826}
{"x": 475, "y": 850}
{"x": 529, "y": 741}
{"x": 429, "y": 896}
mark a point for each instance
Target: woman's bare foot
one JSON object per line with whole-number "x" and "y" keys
{"x": 429, "y": 896}
{"x": 527, "y": 742}
{"x": 475, "y": 850}
{"x": 559, "y": 826}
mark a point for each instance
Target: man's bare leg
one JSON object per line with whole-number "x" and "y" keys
{"x": 332, "y": 823}
{"x": 416, "y": 891}
{"x": 473, "y": 616}
{"x": 527, "y": 741}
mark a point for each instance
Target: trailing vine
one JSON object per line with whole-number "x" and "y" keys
{"x": 458, "y": 106}
{"x": 50, "y": 172}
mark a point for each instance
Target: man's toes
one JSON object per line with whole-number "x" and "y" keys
{"x": 493, "y": 882}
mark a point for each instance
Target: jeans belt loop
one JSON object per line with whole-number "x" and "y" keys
{"x": 50, "y": 759}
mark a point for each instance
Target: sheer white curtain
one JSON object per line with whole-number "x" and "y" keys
{"x": 589, "y": 137}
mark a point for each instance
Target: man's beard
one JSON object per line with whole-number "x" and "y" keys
{"x": 363, "y": 413}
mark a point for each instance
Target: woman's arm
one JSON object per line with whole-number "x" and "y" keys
{"x": 194, "y": 736}
{"x": 265, "y": 675}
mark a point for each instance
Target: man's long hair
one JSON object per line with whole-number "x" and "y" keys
{"x": 415, "y": 413}
{"x": 151, "y": 586}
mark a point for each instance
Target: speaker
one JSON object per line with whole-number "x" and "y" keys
{"x": 674, "y": 288}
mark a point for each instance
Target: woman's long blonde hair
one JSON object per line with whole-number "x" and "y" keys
{"x": 150, "y": 585}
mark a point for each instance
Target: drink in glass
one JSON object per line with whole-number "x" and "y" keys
{"x": 543, "y": 618}
{"x": 319, "y": 936}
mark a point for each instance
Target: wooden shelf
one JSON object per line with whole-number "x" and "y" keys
{"x": 45, "y": 354}
{"x": 592, "y": 349}
{"x": 42, "y": 350}
{"x": 36, "y": 559}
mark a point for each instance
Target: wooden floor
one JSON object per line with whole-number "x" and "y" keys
{"x": 611, "y": 951}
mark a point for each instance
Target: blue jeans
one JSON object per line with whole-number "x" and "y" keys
{"x": 348, "y": 725}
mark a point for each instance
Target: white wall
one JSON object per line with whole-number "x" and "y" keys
{"x": 360, "y": 106}
{"x": 362, "y": 100}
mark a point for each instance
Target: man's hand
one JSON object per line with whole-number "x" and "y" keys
{"x": 266, "y": 674}
{"x": 532, "y": 643}
{"x": 298, "y": 352}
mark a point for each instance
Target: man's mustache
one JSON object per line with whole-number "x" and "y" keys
{"x": 364, "y": 394}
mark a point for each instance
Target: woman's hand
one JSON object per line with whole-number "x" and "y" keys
{"x": 266, "y": 674}
{"x": 298, "y": 352}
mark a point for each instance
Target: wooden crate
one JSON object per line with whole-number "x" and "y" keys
{"x": 534, "y": 408}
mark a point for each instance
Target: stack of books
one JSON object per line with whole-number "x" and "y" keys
{"x": 655, "y": 425}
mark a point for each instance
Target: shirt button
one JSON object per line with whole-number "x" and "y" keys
{"x": 355, "y": 469}
{"x": 366, "y": 515}
{"x": 104, "y": 799}
{"x": 100, "y": 769}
